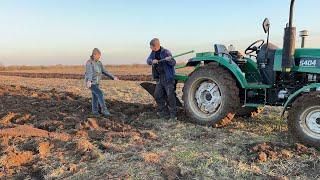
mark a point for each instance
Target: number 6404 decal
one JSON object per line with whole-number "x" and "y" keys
{"x": 309, "y": 63}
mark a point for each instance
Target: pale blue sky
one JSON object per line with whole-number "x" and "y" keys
{"x": 47, "y": 32}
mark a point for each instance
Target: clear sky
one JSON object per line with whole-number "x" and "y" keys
{"x": 48, "y": 32}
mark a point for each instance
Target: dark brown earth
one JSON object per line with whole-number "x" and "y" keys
{"x": 50, "y": 133}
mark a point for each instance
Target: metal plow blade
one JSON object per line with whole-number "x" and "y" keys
{"x": 151, "y": 87}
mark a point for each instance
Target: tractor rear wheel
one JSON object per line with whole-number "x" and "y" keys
{"x": 304, "y": 119}
{"x": 210, "y": 95}
{"x": 249, "y": 111}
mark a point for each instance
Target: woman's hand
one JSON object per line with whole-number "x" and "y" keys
{"x": 89, "y": 84}
{"x": 116, "y": 79}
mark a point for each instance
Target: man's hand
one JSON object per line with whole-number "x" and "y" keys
{"x": 116, "y": 79}
{"x": 155, "y": 61}
{"x": 169, "y": 58}
{"x": 89, "y": 84}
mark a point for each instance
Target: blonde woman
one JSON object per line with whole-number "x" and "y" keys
{"x": 93, "y": 75}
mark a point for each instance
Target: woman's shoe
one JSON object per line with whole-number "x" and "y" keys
{"x": 106, "y": 114}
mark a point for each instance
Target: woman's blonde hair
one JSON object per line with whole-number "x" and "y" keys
{"x": 95, "y": 51}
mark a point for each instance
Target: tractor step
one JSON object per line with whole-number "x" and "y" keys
{"x": 253, "y": 105}
{"x": 258, "y": 86}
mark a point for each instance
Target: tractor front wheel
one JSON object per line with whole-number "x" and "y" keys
{"x": 210, "y": 95}
{"x": 304, "y": 119}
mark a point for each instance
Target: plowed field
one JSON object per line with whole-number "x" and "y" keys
{"x": 46, "y": 132}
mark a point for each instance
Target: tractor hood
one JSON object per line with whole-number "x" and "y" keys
{"x": 306, "y": 60}
{"x": 307, "y": 52}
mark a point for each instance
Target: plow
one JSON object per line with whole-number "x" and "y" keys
{"x": 225, "y": 82}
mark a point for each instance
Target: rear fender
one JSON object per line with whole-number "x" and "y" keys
{"x": 228, "y": 64}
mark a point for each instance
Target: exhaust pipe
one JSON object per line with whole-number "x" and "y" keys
{"x": 289, "y": 43}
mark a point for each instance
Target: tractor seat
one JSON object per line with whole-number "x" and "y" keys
{"x": 236, "y": 56}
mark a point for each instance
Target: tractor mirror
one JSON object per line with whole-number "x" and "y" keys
{"x": 266, "y": 25}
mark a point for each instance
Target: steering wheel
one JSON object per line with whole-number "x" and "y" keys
{"x": 253, "y": 48}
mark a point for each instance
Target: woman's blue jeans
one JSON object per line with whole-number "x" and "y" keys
{"x": 98, "y": 100}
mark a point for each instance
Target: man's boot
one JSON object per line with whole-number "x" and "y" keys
{"x": 163, "y": 115}
{"x": 173, "y": 117}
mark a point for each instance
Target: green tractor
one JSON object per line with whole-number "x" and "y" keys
{"x": 225, "y": 82}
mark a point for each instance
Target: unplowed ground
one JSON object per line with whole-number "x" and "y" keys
{"x": 74, "y": 76}
{"x": 123, "y": 72}
{"x": 46, "y": 132}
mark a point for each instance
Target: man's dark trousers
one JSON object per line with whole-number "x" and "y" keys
{"x": 165, "y": 96}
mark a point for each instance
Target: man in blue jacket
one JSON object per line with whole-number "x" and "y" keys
{"x": 163, "y": 72}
